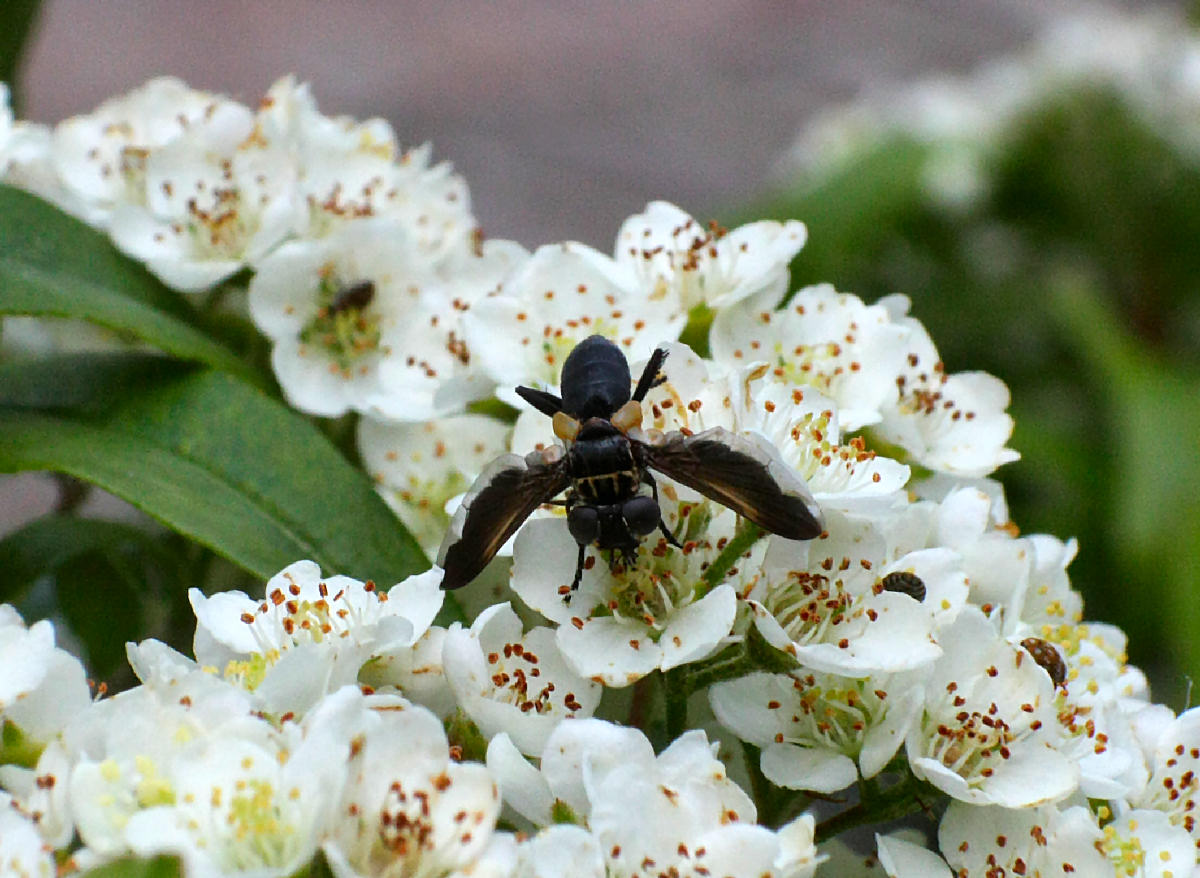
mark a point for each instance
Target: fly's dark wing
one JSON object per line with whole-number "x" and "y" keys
{"x": 504, "y": 495}
{"x": 743, "y": 473}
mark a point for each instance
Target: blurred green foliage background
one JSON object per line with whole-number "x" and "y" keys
{"x": 1075, "y": 277}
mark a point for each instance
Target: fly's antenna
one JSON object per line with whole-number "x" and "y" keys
{"x": 546, "y": 403}
{"x": 652, "y": 375}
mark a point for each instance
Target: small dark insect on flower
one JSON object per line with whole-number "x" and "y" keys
{"x": 905, "y": 583}
{"x": 604, "y": 466}
{"x": 354, "y": 297}
{"x": 1045, "y": 654}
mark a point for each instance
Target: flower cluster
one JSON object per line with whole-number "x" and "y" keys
{"x": 919, "y": 650}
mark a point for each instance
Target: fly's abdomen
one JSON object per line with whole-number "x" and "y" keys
{"x": 603, "y": 471}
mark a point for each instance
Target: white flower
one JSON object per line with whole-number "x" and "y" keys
{"x": 42, "y": 687}
{"x": 679, "y": 814}
{"x": 561, "y": 851}
{"x": 524, "y": 332}
{"x": 123, "y": 754}
{"x": 416, "y": 671}
{"x": 988, "y": 731}
{"x": 827, "y": 601}
{"x": 818, "y": 731}
{"x": 1174, "y": 786}
{"x": 903, "y": 859}
{"x": 997, "y": 564}
{"x": 823, "y": 339}
{"x": 949, "y": 423}
{"x": 675, "y": 813}
{"x": 619, "y": 626}
{"x": 255, "y": 803}
{"x": 309, "y": 635}
{"x": 101, "y": 158}
{"x": 554, "y": 791}
{"x": 23, "y": 853}
{"x": 515, "y": 683}
{"x": 216, "y": 200}
{"x": 664, "y": 249}
{"x": 804, "y": 425}
{"x": 407, "y": 809}
{"x": 881, "y": 368}
{"x": 350, "y": 170}
{"x": 360, "y": 322}
{"x": 419, "y": 468}
{"x": 1022, "y": 841}
{"x": 801, "y": 424}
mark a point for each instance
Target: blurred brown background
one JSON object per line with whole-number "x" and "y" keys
{"x": 564, "y": 116}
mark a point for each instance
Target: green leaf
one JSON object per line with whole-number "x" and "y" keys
{"x": 41, "y": 547}
{"x": 128, "y": 867}
{"x": 101, "y": 596}
{"x": 53, "y": 265}
{"x": 85, "y": 383}
{"x": 222, "y": 463}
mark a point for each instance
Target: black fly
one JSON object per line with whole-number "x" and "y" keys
{"x": 604, "y": 465}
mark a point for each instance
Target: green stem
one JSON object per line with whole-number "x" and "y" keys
{"x": 747, "y": 535}
{"x": 893, "y": 803}
{"x": 767, "y": 796}
{"x": 676, "y": 690}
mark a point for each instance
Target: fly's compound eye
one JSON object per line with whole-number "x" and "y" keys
{"x": 584, "y": 524}
{"x": 641, "y": 514}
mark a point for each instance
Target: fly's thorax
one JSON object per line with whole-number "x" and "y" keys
{"x": 595, "y": 379}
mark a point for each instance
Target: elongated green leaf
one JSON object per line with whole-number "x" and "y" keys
{"x": 86, "y": 383}
{"x": 222, "y": 463}
{"x": 43, "y": 546}
{"x": 53, "y": 265}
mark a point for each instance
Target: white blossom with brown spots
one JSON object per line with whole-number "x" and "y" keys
{"x": 101, "y": 158}
{"x": 829, "y": 341}
{"x": 679, "y": 814}
{"x": 215, "y": 201}
{"x": 1173, "y": 749}
{"x": 953, "y": 423}
{"x": 309, "y": 635}
{"x": 522, "y": 333}
{"x": 516, "y": 682}
{"x": 816, "y": 731}
{"x": 351, "y": 170}
{"x": 408, "y": 810}
{"x": 419, "y": 468}
{"x": 360, "y": 322}
{"x": 826, "y": 603}
{"x": 989, "y": 731}
{"x": 23, "y": 851}
{"x": 664, "y": 249}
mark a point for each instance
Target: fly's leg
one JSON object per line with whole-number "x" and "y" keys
{"x": 662, "y": 525}
{"x": 652, "y": 375}
{"x": 578, "y": 575}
